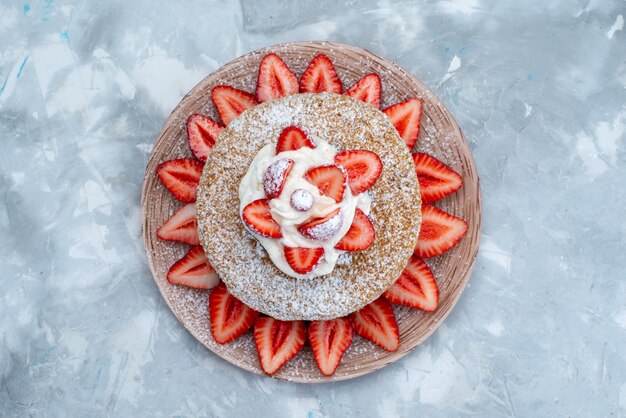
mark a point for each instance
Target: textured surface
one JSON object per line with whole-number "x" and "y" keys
{"x": 538, "y": 89}
{"x": 439, "y": 135}
{"x": 361, "y": 277}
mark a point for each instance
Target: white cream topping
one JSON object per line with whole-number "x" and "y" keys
{"x": 251, "y": 188}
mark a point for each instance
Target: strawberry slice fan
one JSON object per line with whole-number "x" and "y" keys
{"x": 279, "y": 341}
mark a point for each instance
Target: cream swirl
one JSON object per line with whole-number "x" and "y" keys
{"x": 251, "y": 188}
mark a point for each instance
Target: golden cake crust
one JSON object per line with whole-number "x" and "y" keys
{"x": 359, "y": 277}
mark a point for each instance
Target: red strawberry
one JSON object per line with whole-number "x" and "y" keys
{"x": 405, "y": 117}
{"x": 367, "y": 89}
{"x": 435, "y": 178}
{"x": 320, "y": 77}
{"x": 257, "y": 216}
{"x": 202, "y": 132}
{"x": 330, "y": 180}
{"x": 303, "y": 260}
{"x": 230, "y": 318}
{"x": 416, "y": 287}
{"x": 181, "y": 227}
{"x": 440, "y": 231}
{"x": 363, "y": 167}
{"x": 278, "y": 341}
{"x": 275, "y": 176}
{"x": 193, "y": 270}
{"x": 329, "y": 340}
{"x": 291, "y": 139}
{"x": 231, "y": 102}
{"x": 360, "y": 235}
{"x": 275, "y": 79}
{"x": 323, "y": 228}
{"x": 181, "y": 177}
{"x": 377, "y": 323}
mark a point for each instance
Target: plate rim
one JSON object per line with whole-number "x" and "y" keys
{"x": 149, "y": 178}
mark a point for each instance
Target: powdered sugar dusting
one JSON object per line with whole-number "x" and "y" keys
{"x": 275, "y": 176}
{"x": 232, "y": 250}
{"x": 328, "y": 229}
{"x": 301, "y": 200}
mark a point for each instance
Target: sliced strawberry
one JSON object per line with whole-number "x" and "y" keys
{"x": 329, "y": 340}
{"x": 303, "y": 260}
{"x": 275, "y": 79}
{"x": 320, "y": 77}
{"x": 278, "y": 341}
{"x": 405, "y": 117}
{"x": 330, "y": 180}
{"x": 231, "y": 102}
{"x": 323, "y": 228}
{"x": 275, "y": 176}
{"x": 202, "y": 133}
{"x": 435, "y": 178}
{"x": 377, "y": 323}
{"x": 291, "y": 139}
{"x": 363, "y": 167}
{"x": 181, "y": 177}
{"x": 257, "y": 216}
{"x": 230, "y": 318}
{"x": 361, "y": 234}
{"x": 367, "y": 90}
{"x": 440, "y": 231}
{"x": 193, "y": 270}
{"x": 416, "y": 287}
{"x": 181, "y": 227}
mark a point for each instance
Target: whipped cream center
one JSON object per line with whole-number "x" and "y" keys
{"x": 251, "y": 188}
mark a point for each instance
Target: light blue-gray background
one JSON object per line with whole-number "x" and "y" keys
{"x": 539, "y": 88}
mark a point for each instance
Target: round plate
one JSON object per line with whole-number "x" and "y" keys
{"x": 440, "y": 136}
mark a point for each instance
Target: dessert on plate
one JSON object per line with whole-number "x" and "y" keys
{"x": 315, "y": 227}
{"x": 307, "y": 213}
